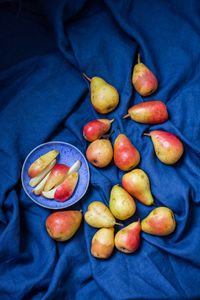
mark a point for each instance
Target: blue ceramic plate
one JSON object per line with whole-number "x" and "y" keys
{"x": 69, "y": 154}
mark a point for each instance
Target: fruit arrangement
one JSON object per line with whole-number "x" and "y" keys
{"x": 53, "y": 180}
{"x": 135, "y": 183}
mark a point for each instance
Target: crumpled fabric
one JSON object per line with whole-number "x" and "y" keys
{"x": 45, "y": 48}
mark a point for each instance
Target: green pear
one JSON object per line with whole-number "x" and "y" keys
{"x": 121, "y": 204}
{"x": 160, "y": 222}
{"x": 98, "y": 215}
{"x": 103, "y": 243}
{"x": 104, "y": 97}
{"x": 137, "y": 184}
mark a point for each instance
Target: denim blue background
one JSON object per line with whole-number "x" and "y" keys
{"x": 44, "y": 47}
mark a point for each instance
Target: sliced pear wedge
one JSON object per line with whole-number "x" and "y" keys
{"x": 64, "y": 190}
{"x": 35, "y": 180}
{"x": 41, "y": 163}
{"x": 75, "y": 167}
{"x": 39, "y": 188}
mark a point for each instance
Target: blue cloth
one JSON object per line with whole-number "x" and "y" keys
{"x": 45, "y": 46}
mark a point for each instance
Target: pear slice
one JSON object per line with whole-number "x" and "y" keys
{"x": 75, "y": 167}
{"x": 65, "y": 190}
{"x": 39, "y": 188}
{"x": 41, "y": 163}
{"x": 35, "y": 180}
{"x": 59, "y": 173}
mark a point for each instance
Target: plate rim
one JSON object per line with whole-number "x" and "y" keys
{"x": 26, "y": 159}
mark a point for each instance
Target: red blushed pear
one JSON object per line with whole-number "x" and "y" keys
{"x": 151, "y": 112}
{"x": 96, "y": 129}
{"x": 160, "y": 222}
{"x": 62, "y": 225}
{"x": 65, "y": 190}
{"x": 144, "y": 81}
{"x": 56, "y": 176}
{"x": 137, "y": 184}
{"x": 167, "y": 146}
{"x": 128, "y": 239}
{"x": 126, "y": 156}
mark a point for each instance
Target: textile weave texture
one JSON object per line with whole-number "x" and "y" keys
{"x": 45, "y": 48}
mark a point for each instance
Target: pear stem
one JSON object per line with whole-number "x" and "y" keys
{"x": 107, "y": 136}
{"x": 111, "y": 121}
{"x": 120, "y": 224}
{"x": 139, "y": 60}
{"x": 147, "y": 134}
{"x": 126, "y": 116}
{"x": 88, "y": 78}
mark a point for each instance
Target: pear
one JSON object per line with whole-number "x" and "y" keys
{"x": 137, "y": 184}
{"x": 41, "y": 163}
{"x": 96, "y": 129}
{"x": 103, "y": 243}
{"x": 150, "y": 112}
{"x": 160, "y": 222}
{"x": 144, "y": 81}
{"x": 104, "y": 97}
{"x": 126, "y": 156}
{"x": 167, "y": 146}
{"x": 121, "y": 204}
{"x": 128, "y": 239}
{"x": 98, "y": 215}
{"x": 62, "y": 225}
{"x": 100, "y": 153}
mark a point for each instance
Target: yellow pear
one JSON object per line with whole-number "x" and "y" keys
{"x": 104, "y": 97}
{"x": 103, "y": 243}
{"x": 100, "y": 153}
{"x": 121, "y": 204}
{"x": 98, "y": 215}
